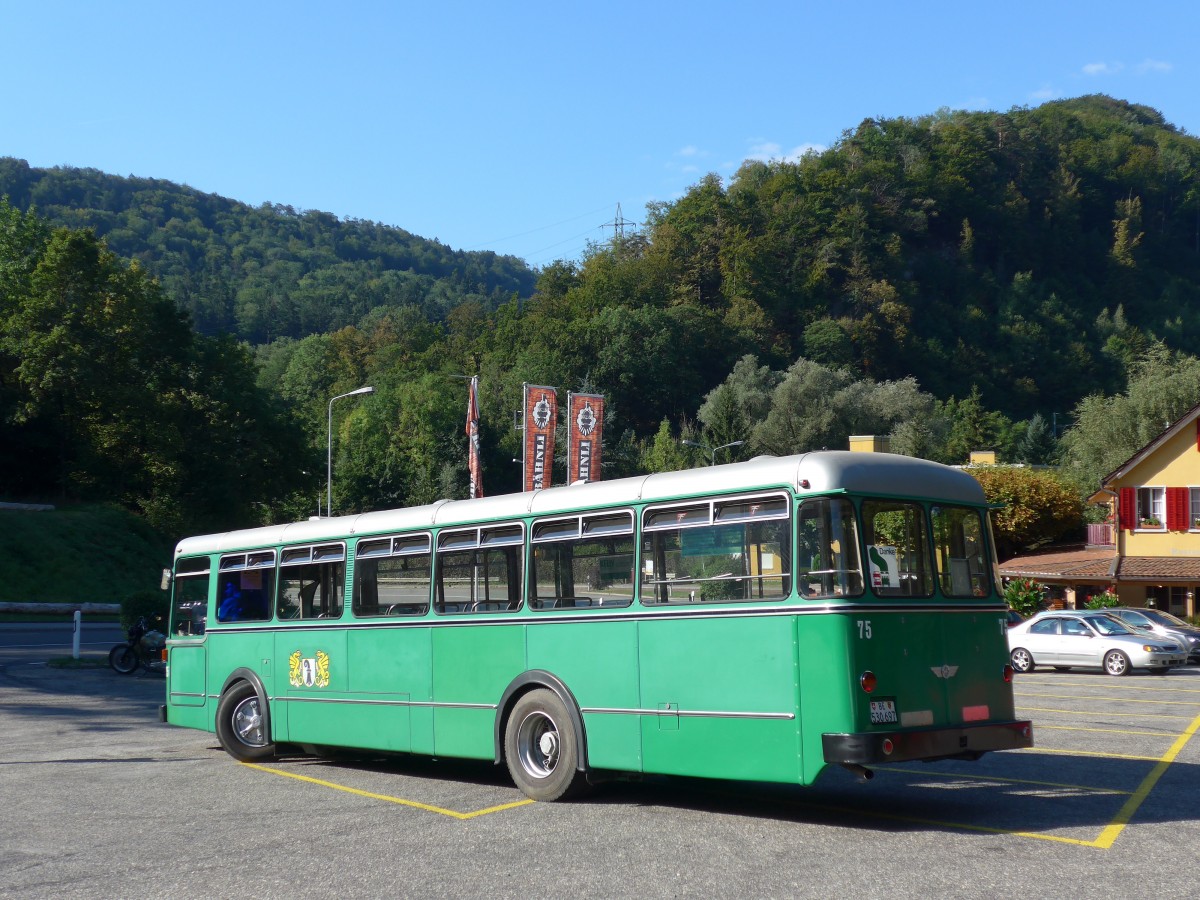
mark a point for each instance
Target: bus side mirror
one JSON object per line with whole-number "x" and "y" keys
{"x": 165, "y": 585}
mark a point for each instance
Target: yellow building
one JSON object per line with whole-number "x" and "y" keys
{"x": 1149, "y": 551}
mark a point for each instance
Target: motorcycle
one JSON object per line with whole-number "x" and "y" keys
{"x": 143, "y": 649}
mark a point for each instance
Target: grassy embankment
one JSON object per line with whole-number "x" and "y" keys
{"x": 90, "y": 554}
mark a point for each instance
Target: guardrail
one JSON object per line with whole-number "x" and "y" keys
{"x": 63, "y": 608}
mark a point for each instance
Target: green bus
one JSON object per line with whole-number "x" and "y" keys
{"x": 759, "y": 621}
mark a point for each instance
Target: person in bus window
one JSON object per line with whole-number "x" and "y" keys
{"x": 230, "y": 609}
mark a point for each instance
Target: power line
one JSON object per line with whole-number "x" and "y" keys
{"x": 618, "y": 224}
{"x": 535, "y": 230}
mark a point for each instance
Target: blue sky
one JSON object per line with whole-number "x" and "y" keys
{"x": 519, "y": 127}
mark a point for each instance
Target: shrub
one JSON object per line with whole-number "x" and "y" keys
{"x": 1106, "y": 600}
{"x": 1024, "y": 595}
{"x": 151, "y": 604}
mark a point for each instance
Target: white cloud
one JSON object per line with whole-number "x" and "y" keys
{"x": 1153, "y": 65}
{"x": 1103, "y": 68}
{"x": 1045, "y": 93}
{"x": 690, "y": 150}
{"x": 765, "y": 151}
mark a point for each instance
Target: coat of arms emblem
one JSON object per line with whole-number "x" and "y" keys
{"x": 310, "y": 671}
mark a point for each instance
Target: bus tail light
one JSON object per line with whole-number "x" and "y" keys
{"x": 1008, "y": 673}
{"x": 867, "y": 681}
{"x": 887, "y": 746}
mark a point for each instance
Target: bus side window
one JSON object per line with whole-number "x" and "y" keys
{"x": 241, "y": 597}
{"x": 311, "y": 582}
{"x": 392, "y": 576}
{"x": 728, "y": 550}
{"x": 479, "y": 570}
{"x": 584, "y": 562}
{"x": 827, "y": 547}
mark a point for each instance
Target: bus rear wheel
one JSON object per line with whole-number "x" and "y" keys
{"x": 242, "y": 724}
{"x": 542, "y": 748}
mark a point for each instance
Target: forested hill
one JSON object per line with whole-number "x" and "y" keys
{"x": 1034, "y": 253}
{"x": 265, "y": 272}
{"x": 957, "y": 281}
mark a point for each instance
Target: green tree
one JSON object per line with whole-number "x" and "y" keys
{"x": 1038, "y": 506}
{"x": 1107, "y": 430}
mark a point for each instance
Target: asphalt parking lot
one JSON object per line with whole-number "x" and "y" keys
{"x": 100, "y": 800}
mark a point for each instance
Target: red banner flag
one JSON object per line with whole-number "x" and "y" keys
{"x": 585, "y": 429}
{"x": 541, "y": 418}
{"x": 474, "y": 465}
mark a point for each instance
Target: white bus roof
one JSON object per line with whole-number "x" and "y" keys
{"x": 883, "y": 474}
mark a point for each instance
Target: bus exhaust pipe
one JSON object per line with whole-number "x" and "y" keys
{"x": 862, "y": 773}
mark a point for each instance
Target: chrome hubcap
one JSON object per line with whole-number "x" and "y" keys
{"x": 248, "y": 723}
{"x": 538, "y": 745}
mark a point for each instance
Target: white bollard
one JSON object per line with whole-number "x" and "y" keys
{"x": 75, "y": 638}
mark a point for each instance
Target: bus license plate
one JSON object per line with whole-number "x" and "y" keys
{"x": 883, "y": 712}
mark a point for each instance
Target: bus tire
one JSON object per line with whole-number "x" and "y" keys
{"x": 242, "y": 724}
{"x": 1021, "y": 659}
{"x": 542, "y": 748}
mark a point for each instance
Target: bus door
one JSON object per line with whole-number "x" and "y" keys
{"x": 186, "y": 681}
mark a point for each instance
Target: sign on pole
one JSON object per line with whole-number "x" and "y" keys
{"x": 541, "y": 418}
{"x": 585, "y": 428}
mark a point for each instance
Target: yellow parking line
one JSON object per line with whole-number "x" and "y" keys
{"x": 1002, "y": 780}
{"x": 1169, "y": 734}
{"x": 1113, "y": 699}
{"x": 1114, "y": 828}
{"x": 1110, "y": 686}
{"x": 1107, "y": 837}
{"x": 960, "y": 826}
{"x": 412, "y": 803}
{"x": 1077, "y": 712}
{"x": 1096, "y": 753}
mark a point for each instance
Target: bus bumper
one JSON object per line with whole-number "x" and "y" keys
{"x": 960, "y": 742}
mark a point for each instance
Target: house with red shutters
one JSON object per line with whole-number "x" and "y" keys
{"x": 1149, "y": 549}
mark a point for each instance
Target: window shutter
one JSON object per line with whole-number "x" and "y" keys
{"x": 1127, "y": 509}
{"x": 1177, "y": 509}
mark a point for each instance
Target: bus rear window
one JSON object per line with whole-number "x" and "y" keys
{"x": 897, "y": 548}
{"x": 960, "y": 551}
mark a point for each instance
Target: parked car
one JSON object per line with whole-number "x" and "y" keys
{"x": 1161, "y": 624}
{"x": 1090, "y": 639}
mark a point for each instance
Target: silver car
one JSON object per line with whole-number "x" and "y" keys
{"x": 1163, "y": 625}
{"x": 1096, "y": 640}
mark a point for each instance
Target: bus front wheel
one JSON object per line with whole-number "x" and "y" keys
{"x": 242, "y": 724}
{"x": 542, "y": 748}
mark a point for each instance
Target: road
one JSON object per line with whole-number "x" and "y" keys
{"x": 101, "y": 800}
{"x": 40, "y": 641}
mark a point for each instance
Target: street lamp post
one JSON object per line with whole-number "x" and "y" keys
{"x": 329, "y": 447}
{"x": 712, "y": 451}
